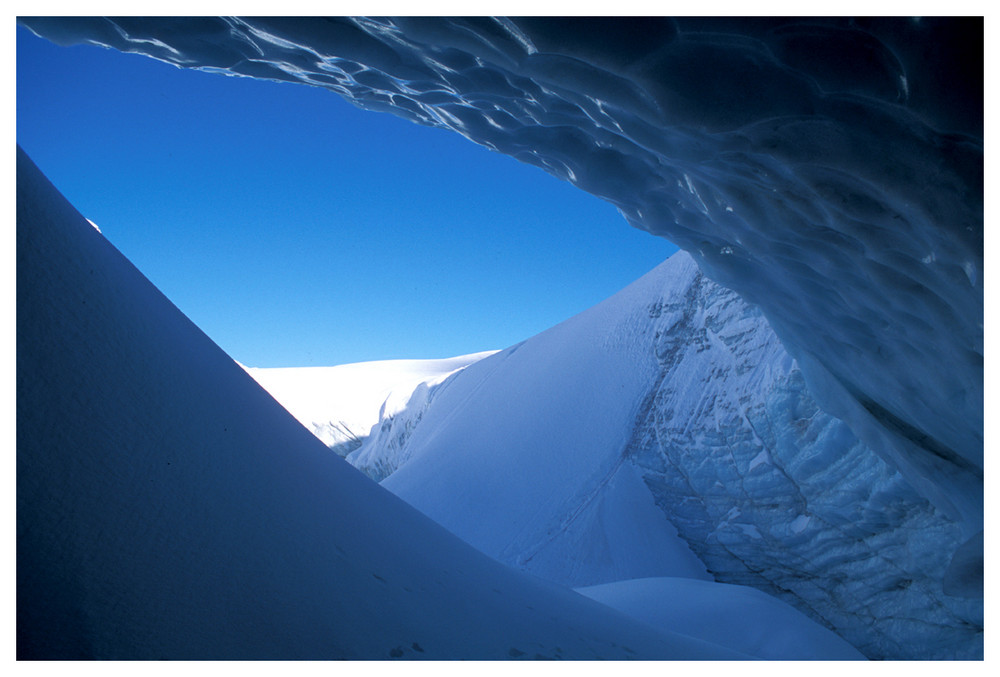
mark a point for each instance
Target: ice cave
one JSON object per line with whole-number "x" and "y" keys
{"x": 770, "y": 447}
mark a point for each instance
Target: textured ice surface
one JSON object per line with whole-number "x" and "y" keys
{"x": 178, "y": 512}
{"x": 676, "y": 392}
{"x": 772, "y": 492}
{"x": 830, "y": 170}
{"x": 339, "y": 405}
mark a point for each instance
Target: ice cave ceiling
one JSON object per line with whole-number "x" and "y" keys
{"x": 829, "y": 170}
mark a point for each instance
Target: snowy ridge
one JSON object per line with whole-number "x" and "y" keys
{"x": 178, "y": 512}
{"x": 828, "y": 169}
{"x": 675, "y": 392}
{"x": 390, "y": 433}
{"x": 521, "y": 454}
{"x": 358, "y": 393}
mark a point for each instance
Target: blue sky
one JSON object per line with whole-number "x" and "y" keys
{"x": 298, "y": 230}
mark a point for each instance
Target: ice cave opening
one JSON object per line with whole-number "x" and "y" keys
{"x": 828, "y": 170}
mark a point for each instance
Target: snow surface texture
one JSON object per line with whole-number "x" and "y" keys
{"x": 550, "y": 456}
{"x": 830, "y": 170}
{"x": 177, "y": 511}
{"x": 359, "y": 394}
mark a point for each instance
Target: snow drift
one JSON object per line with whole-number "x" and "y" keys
{"x": 746, "y": 619}
{"x": 177, "y": 511}
{"x": 829, "y": 170}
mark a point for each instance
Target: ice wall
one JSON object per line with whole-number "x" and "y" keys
{"x": 773, "y": 493}
{"x": 829, "y": 170}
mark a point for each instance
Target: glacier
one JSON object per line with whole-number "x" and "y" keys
{"x": 675, "y": 393}
{"x": 828, "y": 170}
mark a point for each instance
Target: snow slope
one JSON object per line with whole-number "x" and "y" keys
{"x": 743, "y": 618}
{"x": 522, "y": 454}
{"x": 554, "y": 455}
{"x": 340, "y": 404}
{"x": 177, "y": 511}
{"x": 828, "y": 169}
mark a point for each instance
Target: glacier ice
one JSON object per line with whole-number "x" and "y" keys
{"x": 675, "y": 391}
{"x": 178, "y": 512}
{"x": 828, "y": 169}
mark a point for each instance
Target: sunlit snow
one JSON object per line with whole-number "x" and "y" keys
{"x": 341, "y": 404}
